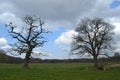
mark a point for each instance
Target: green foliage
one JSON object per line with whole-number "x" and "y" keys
{"x": 69, "y": 71}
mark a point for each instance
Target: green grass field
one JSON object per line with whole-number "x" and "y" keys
{"x": 61, "y": 71}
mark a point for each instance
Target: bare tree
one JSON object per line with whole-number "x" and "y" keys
{"x": 116, "y": 55}
{"x": 30, "y": 37}
{"x": 94, "y": 37}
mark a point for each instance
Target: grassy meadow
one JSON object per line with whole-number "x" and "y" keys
{"x": 58, "y": 71}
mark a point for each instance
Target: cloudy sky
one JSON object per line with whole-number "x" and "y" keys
{"x": 61, "y": 17}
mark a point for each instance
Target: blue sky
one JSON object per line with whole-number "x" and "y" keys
{"x": 115, "y": 4}
{"x": 3, "y": 31}
{"x": 61, "y": 17}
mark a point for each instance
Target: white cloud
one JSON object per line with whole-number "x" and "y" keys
{"x": 3, "y": 41}
{"x": 115, "y": 22}
{"x": 65, "y": 38}
{"x": 64, "y": 41}
{"x": 4, "y": 44}
{"x": 6, "y": 7}
{"x": 117, "y": 27}
{"x": 7, "y": 17}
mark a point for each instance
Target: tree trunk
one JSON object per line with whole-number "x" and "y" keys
{"x": 96, "y": 65}
{"x": 26, "y": 60}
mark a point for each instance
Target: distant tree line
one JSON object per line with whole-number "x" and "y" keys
{"x": 9, "y": 59}
{"x": 4, "y": 58}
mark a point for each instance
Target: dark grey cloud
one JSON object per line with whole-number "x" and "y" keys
{"x": 55, "y": 9}
{"x": 60, "y": 11}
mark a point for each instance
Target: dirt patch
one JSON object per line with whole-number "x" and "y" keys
{"x": 110, "y": 66}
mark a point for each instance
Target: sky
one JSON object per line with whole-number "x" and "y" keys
{"x": 61, "y": 18}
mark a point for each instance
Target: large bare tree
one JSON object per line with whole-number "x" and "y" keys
{"x": 29, "y": 37}
{"x": 94, "y": 37}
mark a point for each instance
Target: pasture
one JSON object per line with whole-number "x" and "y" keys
{"x": 58, "y": 71}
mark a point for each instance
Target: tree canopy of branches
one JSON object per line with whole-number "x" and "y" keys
{"x": 94, "y": 37}
{"x": 29, "y": 37}
{"x": 117, "y": 55}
